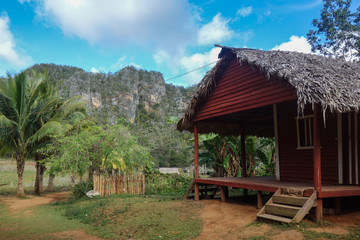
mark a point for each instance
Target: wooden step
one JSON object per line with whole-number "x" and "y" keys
{"x": 274, "y": 218}
{"x": 281, "y": 210}
{"x": 290, "y": 200}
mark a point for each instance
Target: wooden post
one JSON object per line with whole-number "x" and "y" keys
{"x": 317, "y": 161}
{"x": 276, "y": 133}
{"x": 243, "y": 157}
{"x": 196, "y": 161}
{"x": 143, "y": 188}
{"x": 223, "y": 193}
{"x": 259, "y": 200}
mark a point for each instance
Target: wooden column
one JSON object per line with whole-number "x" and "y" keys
{"x": 196, "y": 160}
{"x": 259, "y": 200}
{"x": 224, "y": 193}
{"x": 276, "y": 133}
{"x": 317, "y": 161}
{"x": 243, "y": 157}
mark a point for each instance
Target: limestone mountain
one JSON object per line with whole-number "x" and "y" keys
{"x": 141, "y": 97}
{"x": 120, "y": 94}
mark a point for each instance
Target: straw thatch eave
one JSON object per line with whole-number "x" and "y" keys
{"x": 332, "y": 83}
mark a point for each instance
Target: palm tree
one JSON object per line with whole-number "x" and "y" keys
{"x": 26, "y": 106}
{"x": 64, "y": 116}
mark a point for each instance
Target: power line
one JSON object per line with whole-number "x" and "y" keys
{"x": 190, "y": 71}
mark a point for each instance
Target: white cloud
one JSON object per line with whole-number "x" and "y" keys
{"x": 161, "y": 57}
{"x": 22, "y": 1}
{"x": 121, "y": 63}
{"x": 296, "y": 44}
{"x": 198, "y": 60}
{"x": 94, "y": 70}
{"x": 215, "y": 31}
{"x": 9, "y": 54}
{"x": 244, "y": 11}
{"x": 145, "y": 22}
{"x": 135, "y": 65}
{"x": 304, "y": 6}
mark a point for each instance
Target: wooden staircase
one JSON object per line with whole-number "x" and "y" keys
{"x": 286, "y": 208}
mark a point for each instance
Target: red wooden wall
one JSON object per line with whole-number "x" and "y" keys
{"x": 241, "y": 88}
{"x": 297, "y": 165}
{"x": 347, "y": 158}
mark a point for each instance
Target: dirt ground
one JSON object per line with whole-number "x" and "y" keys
{"x": 17, "y": 204}
{"x": 234, "y": 220}
{"x": 231, "y": 220}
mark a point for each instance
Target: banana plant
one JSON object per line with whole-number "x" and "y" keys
{"x": 223, "y": 154}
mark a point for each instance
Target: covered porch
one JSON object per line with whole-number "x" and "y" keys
{"x": 285, "y": 96}
{"x": 270, "y": 184}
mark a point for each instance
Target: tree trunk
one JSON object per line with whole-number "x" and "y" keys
{"x": 20, "y": 163}
{"x": 73, "y": 178}
{"x": 39, "y": 186}
{"x": 37, "y": 177}
{"x": 91, "y": 173}
{"x": 50, "y": 187}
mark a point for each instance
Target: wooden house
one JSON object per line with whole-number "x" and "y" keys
{"x": 309, "y": 103}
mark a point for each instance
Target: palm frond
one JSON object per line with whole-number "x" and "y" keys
{"x": 52, "y": 127}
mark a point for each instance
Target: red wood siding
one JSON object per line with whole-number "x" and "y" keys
{"x": 329, "y": 149}
{"x": 241, "y": 88}
{"x": 297, "y": 165}
{"x": 347, "y": 157}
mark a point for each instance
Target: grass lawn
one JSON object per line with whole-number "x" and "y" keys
{"x": 114, "y": 217}
{"x": 8, "y": 177}
{"x": 38, "y": 224}
{"x": 136, "y": 217}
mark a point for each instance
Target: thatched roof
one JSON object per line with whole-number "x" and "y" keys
{"x": 333, "y": 83}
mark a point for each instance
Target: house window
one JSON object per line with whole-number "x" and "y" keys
{"x": 304, "y": 127}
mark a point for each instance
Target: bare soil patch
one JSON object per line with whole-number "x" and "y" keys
{"x": 290, "y": 234}
{"x": 229, "y": 220}
{"x": 75, "y": 234}
{"x": 333, "y": 230}
{"x": 17, "y": 204}
{"x": 235, "y": 220}
{"x": 345, "y": 220}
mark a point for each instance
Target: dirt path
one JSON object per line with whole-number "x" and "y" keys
{"x": 15, "y": 205}
{"x": 229, "y": 220}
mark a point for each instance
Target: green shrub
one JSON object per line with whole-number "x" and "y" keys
{"x": 168, "y": 184}
{"x": 80, "y": 189}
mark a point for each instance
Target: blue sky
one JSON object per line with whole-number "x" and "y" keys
{"x": 170, "y": 36}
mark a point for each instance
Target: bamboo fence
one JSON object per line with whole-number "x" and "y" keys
{"x": 120, "y": 183}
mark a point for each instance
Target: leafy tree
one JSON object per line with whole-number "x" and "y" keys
{"x": 221, "y": 153}
{"x": 95, "y": 147}
{"x": 224, "y": 153}
{"x": 260, "y": 156}
{"x": 337, "y": 32}
{"x": 66, "y": 113}
{"x": 25, "y": 110}
{"x": 167, "y": 146}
